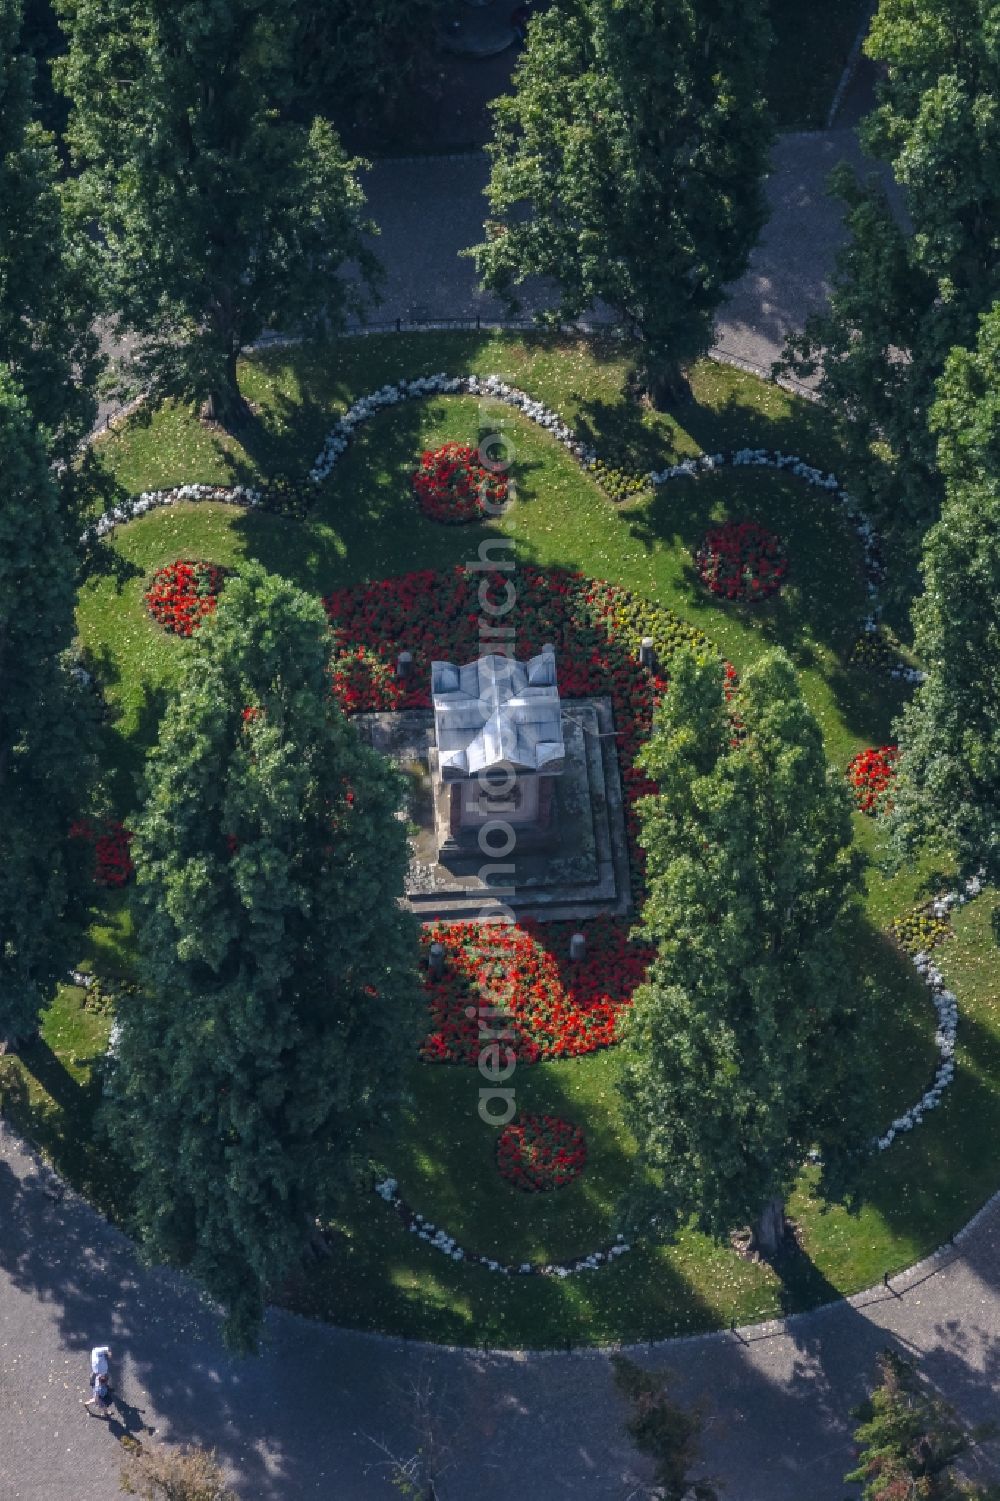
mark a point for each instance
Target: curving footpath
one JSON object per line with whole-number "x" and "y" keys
{"x": 305, "y": 1418}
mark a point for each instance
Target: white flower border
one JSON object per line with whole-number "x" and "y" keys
{"x": 336, "y": 444}
{"x": 946, "y": 1007}
{"x": 338, "y": 441}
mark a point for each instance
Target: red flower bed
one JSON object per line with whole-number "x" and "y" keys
{"x": 740, "y": 560}
{"x": 452, "y": 485}
{"x": 553, "y": 1008}
{"x": 112, "y": 861}
{"x": 183, "y": 593}
{"x": 558, "y": 1009}
{"x": 871, "y": 774}
{"x": 540, "y": 1152}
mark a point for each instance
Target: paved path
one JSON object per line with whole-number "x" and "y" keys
{"x": 431, "y": 208}
{"x": 301, "y": 1421}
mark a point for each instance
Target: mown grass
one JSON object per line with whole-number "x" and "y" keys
{"x": 363, "y": 526}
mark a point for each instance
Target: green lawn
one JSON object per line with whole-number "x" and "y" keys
{"x": 365, "y": 526}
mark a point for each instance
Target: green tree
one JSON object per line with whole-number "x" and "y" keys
{"x": 219, "y": 215}
{"x": 46, "y": 287}
{"x": 668, "y": 1433}
{"x": 908, "y": 1440}
{"x": 627, "y": 167}
{"x": 362, "y": 62}
{"x": 947, "y": 793}
{"x": 743, "y": 1049}
{"x": 45, "y": 726}
{"x": 903, "y": 298}
{"x": 277, "y": 967}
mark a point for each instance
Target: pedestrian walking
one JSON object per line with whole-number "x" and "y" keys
{"x": 101, "y": 1400}
{"x": 100, "y": 1363}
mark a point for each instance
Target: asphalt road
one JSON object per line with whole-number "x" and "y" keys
{"x": 304, "y": 1419}
{"x": 429, "y": 209}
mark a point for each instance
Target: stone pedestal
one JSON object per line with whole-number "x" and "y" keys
{"x": 577, "y": 868}
{"x": 462, "y": 809}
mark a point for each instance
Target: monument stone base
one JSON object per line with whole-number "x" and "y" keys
{"x": 575, "y": 869}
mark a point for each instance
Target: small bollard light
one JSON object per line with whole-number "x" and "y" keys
{"x": 647, "y": 653}
{"x": 403, "y": 663}
{"x": 577, "y": 948}
{"x": 435, "y": 962}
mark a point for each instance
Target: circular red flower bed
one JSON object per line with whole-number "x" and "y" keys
{"x": 183, "y": 593}
{"x": 871, "y": 774}
{"x": 741, "y": 560}
{"x": 112, "y": 861}
{"x": 453, "y": 485}
{"x": 540, "y": 1152}
{"x": 557, "y": 1009}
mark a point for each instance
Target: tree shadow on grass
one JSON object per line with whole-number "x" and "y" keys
{"x": 363, "y": 521}
{"x": 283, "y": 439}
{"x": 820, "y": 603}
{"x": 126, "y": 765}
{"x": 929, "y": 1185}
{"x": 634, "y": 437}
{"x": 869, "y": 703}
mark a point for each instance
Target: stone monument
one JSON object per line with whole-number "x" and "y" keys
{"x": 498, "y": 746}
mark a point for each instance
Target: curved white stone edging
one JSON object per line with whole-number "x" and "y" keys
{"x": 388, "y": 1190}
{"x": 946, "y": 1006}
{"x": 339, "y": 438}
{"x": 151, "y": 500}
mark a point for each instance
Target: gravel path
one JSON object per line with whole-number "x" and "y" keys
{"x": 303, "y": 1420}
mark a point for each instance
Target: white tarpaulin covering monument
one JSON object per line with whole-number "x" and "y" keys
{"x": 503, "y": 717}
{"x": 497, "y": 712}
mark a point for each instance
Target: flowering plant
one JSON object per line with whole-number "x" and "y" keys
{"x": 921, "y": 930}
{"x": 452, "y": 484}
{"x": 558, "y": 1009}
{"x": 871, "y": 774}
{"x": 112, "y": 862}
{"x": 183, "y": 593}
{"x": 541, "y": 1152}
{"x": 740, "y": 560}
{"x": 552, "y": 1007}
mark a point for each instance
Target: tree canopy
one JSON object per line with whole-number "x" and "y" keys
{"x": 277, "y": 968}
{"x": 45, "y": 725}
{"x": 743, "y": 1048}
{"x": 627, "y": 166}
{"x": 908, "y": 1441}
{"x": 947, "y": 792}
{"x": 46, "y": 272}
{"x": 218, "y": 214}
{"x": 905, "y": 294}
{"x": 359, "y": 62}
